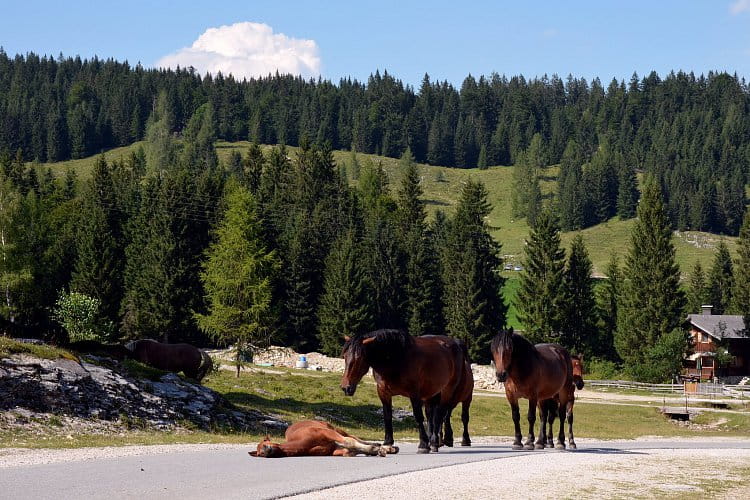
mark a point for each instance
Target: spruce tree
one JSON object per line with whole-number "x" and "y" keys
{"x": 578, "y": 330}
{"x": 649, "y": 337}
{"x": 608, "y": 300}
{"x": 627, "y": 194}
{"x": 345, "y": 304}
{"x": 423, "y": 303}
{"x": 472, "y": 295}
{"x": 541, "y": 294}
{"x": 741, "y": 292}
{"x": 238, "y": 276}
{"x": 698, "y": 292}
{"x": 721, "y": 280}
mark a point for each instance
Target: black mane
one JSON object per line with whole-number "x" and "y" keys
{"x": 519, "y": 343}
{"x": 388, "y": 349}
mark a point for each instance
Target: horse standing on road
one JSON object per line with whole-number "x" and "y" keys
{"x": 433, "y": 371}
{"x": 313, "y": 438}
{"x": 549, "y": 408}
{"x": 534, "y": 372}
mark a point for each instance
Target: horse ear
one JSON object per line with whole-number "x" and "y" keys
{"x": 347, "y": 338}
{"x": 580, "y": 358}
{"x": 267, "y": 438}
{"x": 368, "y": 340}
{"x": 253, "y": 453}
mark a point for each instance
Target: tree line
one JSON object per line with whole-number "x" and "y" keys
{"x": 691, "y": 133}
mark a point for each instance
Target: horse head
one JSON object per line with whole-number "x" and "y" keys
{"x": 502, "y": 353}
{"x": 356, "y": 364}
{"x": 577, "y": 370}
{"x": 267, "y": 449}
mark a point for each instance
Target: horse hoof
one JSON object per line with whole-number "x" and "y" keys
{"x": 434, "y": 449}
{"x": 466, "y": 443}
{"x": 517, "y": 446}
{"x": 449, "y": 444}
{"x": 391, "y": 450}
{"x": 529, "y": 446}
{"x": 539, "y": 446}
{"x": 572, "y": 446}
{"x": 559, "y": 446}
{"x": 422, "y": 451}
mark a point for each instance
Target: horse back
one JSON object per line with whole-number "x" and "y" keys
{"x": 444, "y": 367}
{"x": 555, "y": 367}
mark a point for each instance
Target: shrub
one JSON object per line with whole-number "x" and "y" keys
{"x": 602, "y": 369}
{"x": 79, "y": 315}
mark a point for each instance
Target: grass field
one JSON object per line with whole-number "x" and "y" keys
{"x": 442, "y": 188}
{"x": 297, "y": 395}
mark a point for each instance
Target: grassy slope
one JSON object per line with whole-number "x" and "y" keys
{"x": 602, "y": 240}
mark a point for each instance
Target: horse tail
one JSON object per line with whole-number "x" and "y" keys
{"x": 205, "y": 366}
{"x": 464, "y": 350}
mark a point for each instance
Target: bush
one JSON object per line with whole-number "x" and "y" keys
{"x": 79, "y": 315}
{"x": 602, "y": 369}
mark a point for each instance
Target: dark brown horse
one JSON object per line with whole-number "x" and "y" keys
{"x": 549, "y": 408}
{"x": 433, "y": 371}
{"x": 534, "y": 372}
{"x": 313, "y": 438}
{"x": 171, "y": 357}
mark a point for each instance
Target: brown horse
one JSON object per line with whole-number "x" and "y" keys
{"x": 433, "y": 371}
{"x": 171, "y": 357}
{"x": 548, "y": 409}
{"x": 534, "y": 372}
{"x": 313, "y": 438}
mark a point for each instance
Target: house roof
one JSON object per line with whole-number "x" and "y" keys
{"x": 733, "y": 325}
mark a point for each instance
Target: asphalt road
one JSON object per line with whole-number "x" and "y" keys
{"x": 232, "y": 473}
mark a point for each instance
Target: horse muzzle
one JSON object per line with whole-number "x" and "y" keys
{"x": 502, "y": 376}
{"x": 579, "y": 384}
{"x": 349, "y": 389}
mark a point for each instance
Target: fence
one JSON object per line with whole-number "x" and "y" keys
{"x": 705, "y": 389}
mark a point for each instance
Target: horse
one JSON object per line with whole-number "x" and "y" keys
{"x": 534, "y": 372}
{"x": 548, "y": 408}
{"x": 171, "y": 357}
{"x": 433, "y": 371}
{"x": 313, "y": 438}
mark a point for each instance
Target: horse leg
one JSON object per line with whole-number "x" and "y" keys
{"x": 429, "y": 408}
{"x": 543, "y": 410}
{"x": 561, "y": 436}
{"x": 387, "y": 401}
{"x": 551, "y": 414}
{"x": 531, "y": 415}
{"x": 438, "y": 414}
{"x": 354, "y": 446}
{"x": 516, "y": 412}
{"x": 416, "y": 405}
{"x": 448, "y": 430}
{"x": 465, "y": 441}
{"x": 571, "y": 441}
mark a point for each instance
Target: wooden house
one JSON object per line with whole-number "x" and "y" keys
{"x": 717, "y": 333}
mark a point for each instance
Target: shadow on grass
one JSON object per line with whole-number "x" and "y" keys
{"x": 367, "y": 416}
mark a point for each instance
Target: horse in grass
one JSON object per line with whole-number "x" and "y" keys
{"x": 549, "y": 408}
{"x": 433, "y": 371}
{"x": 533, "y": 372}
{"x": 185, "y": 358}
{"x": 313, "y": 438}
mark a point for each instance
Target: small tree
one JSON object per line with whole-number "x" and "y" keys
{"x": 79, "y": 315}
{"x": 237, "y": 276}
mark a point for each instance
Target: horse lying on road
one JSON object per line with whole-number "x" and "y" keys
{"x": 549, "y": 408}
{"x": 171, "y": 357}
{"x": 431, "y": 370}
{"x": 534, "y": 372}
{"x": 319, "y": 439}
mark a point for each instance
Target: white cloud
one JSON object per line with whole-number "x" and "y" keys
{"x": 739, "y": 6}
{"x": 247, "y": 50}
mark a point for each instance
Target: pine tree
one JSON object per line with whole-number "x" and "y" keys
{"x": 608, "y": 300}
{"x": 741, "y": 292}
{"x": 578, "y": 330}
{"x": 162, "y": 150}
{"x": 12, "y": 275}
{"x": 698, "y": 292}
{"x": 345, "y": 304}
{"x": 649, "y": 337}
{"x": 238, "y": 276}
{"x": 541, "y": 295}
{"x": 571, "y": 196}
{"x": 627, "y": 194}
{"x": 721, "y": 280}
{"x": 472, "y": 296}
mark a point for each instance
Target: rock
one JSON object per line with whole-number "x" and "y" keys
{"x": 104, "y": 396}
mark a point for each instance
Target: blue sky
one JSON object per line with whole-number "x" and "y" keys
{"x": 448, "y": 40}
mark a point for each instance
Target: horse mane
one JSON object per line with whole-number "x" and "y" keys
{"x": 388, "y": 348}
{"x": 508, "y": 338}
